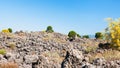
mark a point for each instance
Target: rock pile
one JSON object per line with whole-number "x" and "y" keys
{"x": 50, "y": 50}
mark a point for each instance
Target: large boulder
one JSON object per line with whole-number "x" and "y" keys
{"x": 2, "y": 59}
{"x": 73, "y": 59}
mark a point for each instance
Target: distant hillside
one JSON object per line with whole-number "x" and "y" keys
{"x": 92, "y": 36}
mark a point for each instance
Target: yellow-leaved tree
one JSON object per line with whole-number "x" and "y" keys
{"x": 112, "y": 33}
{"x": 5, "y": 31}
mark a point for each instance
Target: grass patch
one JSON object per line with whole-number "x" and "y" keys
{"x": 108, "y": 55}
{"x": 111, "y": 55}
{"x": 12, "y": 45}
{"x": 90, "y": 49}
{"x": 2, "y": 51}
{"x": 53, "y": 56}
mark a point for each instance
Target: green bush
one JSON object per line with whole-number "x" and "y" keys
{"x": 49, "y": 29}
{"x": 10, "y": 30}
{"x": 2, "y": 51}
{"x": 85, "y": 36}
{"x": 72, "y": 35}
{"x": 78, "y": 36}
{"x": 98, "y": 35}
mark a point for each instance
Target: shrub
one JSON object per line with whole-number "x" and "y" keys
{"x": 12, "y": 45}
{"x": 10, "y": 30}
{"x": 5, "y": 31}
{"x": 72, "y": 35}
{"x": 78, "y": 36}
{"x": 49, "y": 29}
{"x": 104, "y": 45}
{"x": 85, "y": 36}
{"x": 98, "y": 35}
{"x": 2, "y": 51}
{"x": 89, "y": 49}
{"x": 112, "y": 33}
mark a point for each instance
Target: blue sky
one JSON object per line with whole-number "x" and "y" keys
{"x": 82, "y": 16}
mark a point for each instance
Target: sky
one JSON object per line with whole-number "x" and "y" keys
{"x": 82, "y": 16}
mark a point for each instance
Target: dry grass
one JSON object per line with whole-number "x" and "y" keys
{"x": 11, "y": 35}
{"x": 108, "y": 55}
{"x": 53, "y": 56}
{"x": 12, "y": 45}
{"x": 94, "y": 56}
{"x": 60, "y": 40}
{"x": 9, "y": 65}
{"x": 50, "y": 36}
{"x": 111, "y": 55}
{"x": 90, "y": 49}
{"x": 45, "y": 39}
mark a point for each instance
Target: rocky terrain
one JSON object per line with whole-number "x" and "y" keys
{"x": 54, "y": 50}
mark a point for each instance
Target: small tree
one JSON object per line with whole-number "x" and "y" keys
{"x": 72, "y": 35}
{"x": 5, "y": 31}
{"x": 10, "y": 30}
{"x": 98, "y": 35}
{"x": 112, "y": 33}
{"x": 49, "y": 29}
{"x": 78, "y": 36}
{"x": 85, "y": 36}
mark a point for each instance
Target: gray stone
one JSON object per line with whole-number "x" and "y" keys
{"x": 31, "y": 58}
{"x": 18, "y": 45}
{"x": 8, "y": 55}
{"x": 2, "y": 59}
{"x": 27, "y": 65}
{"x": 99, "y": 61}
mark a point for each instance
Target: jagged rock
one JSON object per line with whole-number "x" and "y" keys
{"x": 2, "y": 59}
{"x": 27, "y": 66}
{"x": 118, "y": 62}
{"x": 99, "y": 61}
{"x": 19, "y": 46}
{"x": 10, "y": 57}
{"x": 52, "y": 50}
{"x": 73, "y": 59}
{"x": 20, "y": 60}
{"x": 31, "y": 58}
{"x": 86, "y": 59}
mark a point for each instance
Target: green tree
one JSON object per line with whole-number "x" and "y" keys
{"x": 78, "y": 36}
{"x": 72, "y": 35}
{"x": 10, "y": 30}
{"x": 98, "y": 35}
{"x": 85, "y": 36}
{"x": 49, "y": 29}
